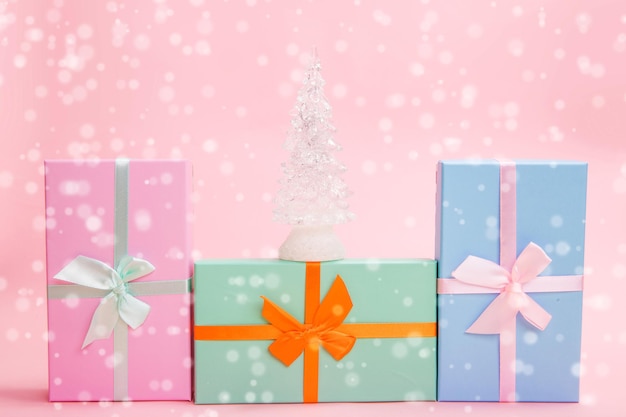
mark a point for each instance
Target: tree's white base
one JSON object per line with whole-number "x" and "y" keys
{"x": 311, "y": 244}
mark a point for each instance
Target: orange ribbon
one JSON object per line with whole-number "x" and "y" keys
{"x": 297, "y": 337}
{"x": 323, "y": 326}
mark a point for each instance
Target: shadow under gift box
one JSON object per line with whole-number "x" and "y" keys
{"x": 245, "y": 308}
{"x": 104, "y": 211}
{"x": 487, "y": 209}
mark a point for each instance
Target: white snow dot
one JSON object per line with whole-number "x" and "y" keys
{"x": 167, "y": 178}
{"x": 417, "y": 69}
{"x": 254, "y": 352}
{"x": 141, "y": 42}
{"x": 381, "y": 18}
{"x": 556, "y": 221}
{"x": 227, "y": 168}
{"x": 341, "y": 46}
{"x": 352, "y": 379}
{"x": 407, "y": 301}
{"x": 173, "y": 330}
{"x": 255, "y": 281}
{"x": 562, "y": 248}
{"x": 598, "y": 102}
{"x": 467, "y": 366}
{"x": 619, "y": 270}
{"x": 208, "y": 91}
{"x": 339, "y": 90}
{"x": 117, "y": 144}
{"x": 272, "y": 280}
{"x": 583, "y": 22}
{"x": 143, "y": 220}
{"x": 31, "y": 187}
{"x": 250, "y": 397}
{"x": 530, "y": 338}
{"x": 241, "y": 298}
{"x": 22, "y": 304}
{"x": 19, "y": 61}
{"x": 424, "y": 353}
{"x": 385, "y": 124}
{"x": 597, "y": 71}
{"x": 241, "y": 112}
{"x": 223, "y": 397}
{"x": 399, "y": 350}
{"x": 232, "y": 356}
{"x": 33, "y": 34}
{"x": 426, "y": 121}
{"x": 84, "y": 396}
{"x": 167, "y": 385}
{"x": 71, "y": 301}
{"x": 93, "y": 223}
{"x": 175, "y": 39}
{"x": 446, "y": 57}
{"x": 516, "y": 47}
{"x": 40, "y": 91}
{"x": 84, "y": 31}
{"x": 369, "y": 167}
{"x": 209, "y": 146}
{"x": 410, "y": 222}
{"x": 202, "y": 47}
{"x": 576, "y": 370}
{"x": 474, "y": 31}
{"x": 12, "y": 334}
{"x": 166, "y": 94}
{"x": 87, "y": 131}
{"x": 30, "y": 115}
{"x": 6, "y": 179}
{"x": 242, "y": 26}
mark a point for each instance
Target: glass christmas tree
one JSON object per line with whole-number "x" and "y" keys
{"x": 313, "y": 194}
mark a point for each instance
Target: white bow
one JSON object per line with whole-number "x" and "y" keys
{"x": 118, "y": 302}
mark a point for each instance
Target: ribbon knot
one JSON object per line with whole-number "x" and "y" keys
{"x": 512, "y": 298}
{"x": 514, "y": 287}
{"x": 117, "y": 303}
{"x": 120, "y": 289}
{"x": 296, "y": 337}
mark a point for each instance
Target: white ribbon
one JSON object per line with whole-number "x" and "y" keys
{"x": 118, "y": 303}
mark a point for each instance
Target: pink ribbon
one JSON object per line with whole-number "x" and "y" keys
{"x": 512, "y": 279}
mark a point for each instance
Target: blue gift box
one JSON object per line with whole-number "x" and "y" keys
{"x": 549, "y": 211}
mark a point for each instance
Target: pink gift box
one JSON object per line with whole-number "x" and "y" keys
{"x": 106, "y": 211}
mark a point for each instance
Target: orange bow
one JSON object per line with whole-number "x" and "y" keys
{"x": 296, "y": 337}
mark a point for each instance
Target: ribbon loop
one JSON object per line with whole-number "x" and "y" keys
{"x": 530, "y": 263}
{"x": 118, "y": 302}
{"x": 296, "y": 337}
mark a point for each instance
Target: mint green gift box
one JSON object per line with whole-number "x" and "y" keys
{"x": 382, "y": 336}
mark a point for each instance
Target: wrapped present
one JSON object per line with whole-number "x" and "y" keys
{"x": 289, "y": 332}
{"x": 510, "y": 249}
{"x": 119, "y": 271}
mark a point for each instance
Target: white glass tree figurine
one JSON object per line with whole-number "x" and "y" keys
{"x": 313, "y": 195}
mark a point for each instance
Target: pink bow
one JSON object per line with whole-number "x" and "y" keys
{"x": 512, "y": 298}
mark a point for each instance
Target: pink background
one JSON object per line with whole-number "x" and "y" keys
{"x": 214, "y": 82}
